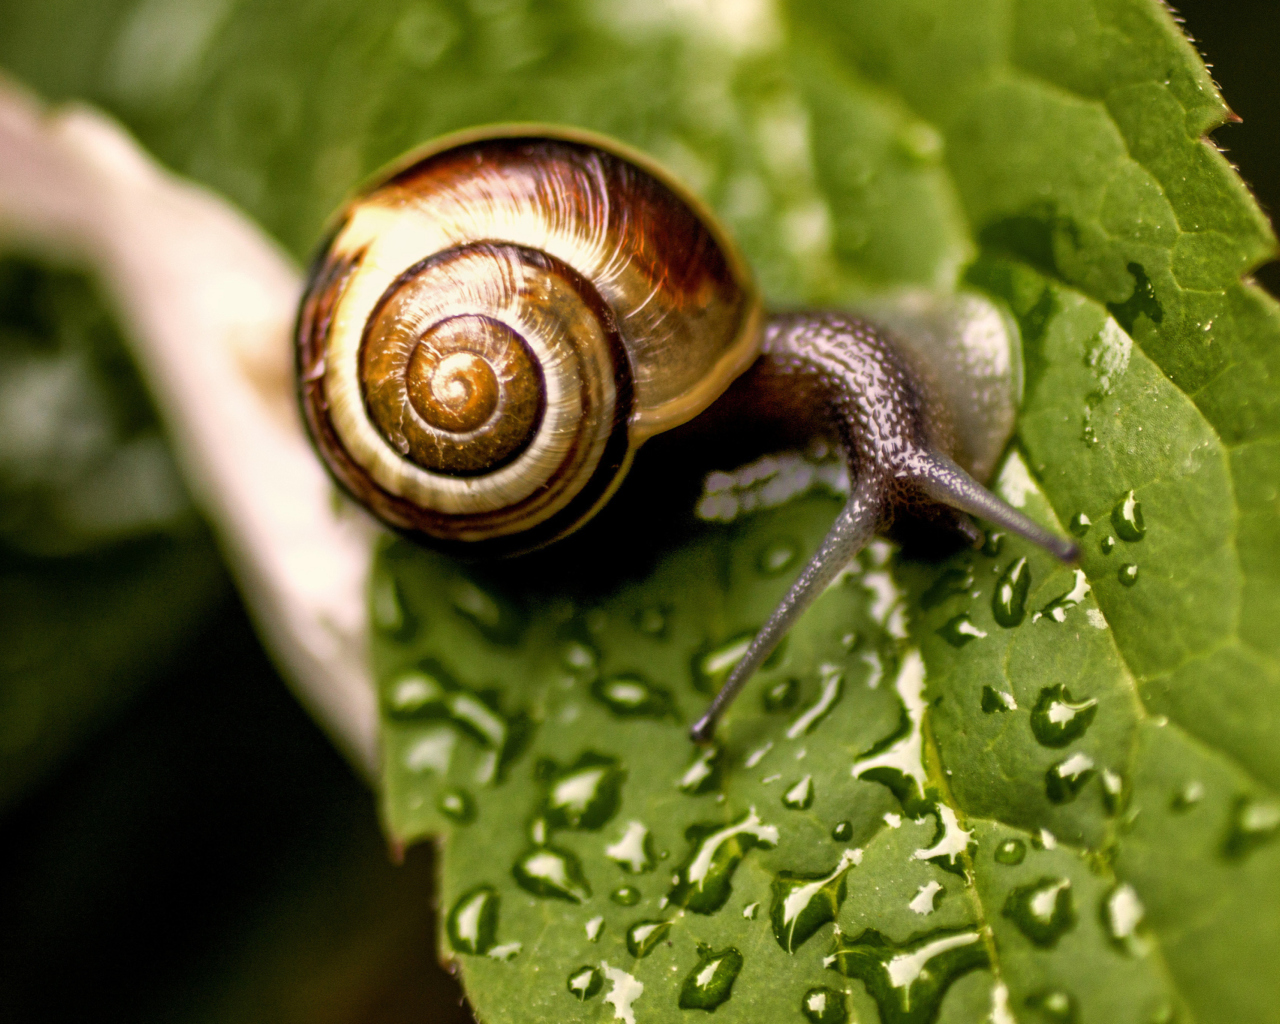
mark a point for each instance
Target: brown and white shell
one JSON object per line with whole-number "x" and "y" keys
{"x": 496, "y": 325}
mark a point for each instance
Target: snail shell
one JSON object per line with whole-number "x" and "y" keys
{"x": 497, "y": 324}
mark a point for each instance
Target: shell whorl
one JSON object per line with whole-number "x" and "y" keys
{"x": 493, "y": 329}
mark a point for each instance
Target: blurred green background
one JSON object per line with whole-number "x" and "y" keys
{"x": 179, "y": 842}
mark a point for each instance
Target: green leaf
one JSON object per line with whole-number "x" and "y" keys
{"x": 1046, "y": 793}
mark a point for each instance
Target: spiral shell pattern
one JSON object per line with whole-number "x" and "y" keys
{"x": 493, "y": 330}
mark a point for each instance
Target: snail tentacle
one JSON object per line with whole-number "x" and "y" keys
{"x": 895, "y": 441}
{"x": 849, "y": 534}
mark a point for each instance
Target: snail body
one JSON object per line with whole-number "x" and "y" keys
{"x": 497, "y": 325}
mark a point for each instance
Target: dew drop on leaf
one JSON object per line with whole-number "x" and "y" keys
{"x": 593, "y": 928}
{"x": 1011, "y": 851}
{"x": 644, "y": 936}
{"x": 703, "y": 775}
{"x": 1009, "y": 602}
{"x": 782, "y": 695}
{"x": 1187, "y": 796}
{"x": 960, "y": 630}
{"x": 803, "y": 903}
{"x": 1058, "y": 718}
{"x": 457, "y": 805}
{"x": 1107, "y": 544}
{"x": 580, "y": 658}
{"x": 951, "y": 583}
{"x": 776, "y": 557}
{"x": 651, "y": 621}
{"x": 1043, "y": 910}
{"x": 1054, "y": 1005}
{"x": 828, "y": 698}
{"x": 908, "y": 980}
{"x": 633, "y": 852}
{"x": 1126, "y": 517}
{"x": 1115, "y": 794}
{"x": 551, "y": 873}
{"x": 1122, "y": 913}
{"x": 473, "y": 921}
{"x": 1079, "y": 524}
{"x": 1253, "y": 823}
{"x": 710, "y": 983}
{"x": 997, "y": 701}
{"x": 704, "y": 881}
{"x": 1056, "y": 610}
{"x": 632, "y": 696}
{"x": 1128, "y": 574}
{"x": 1064, "y": 780}
{"x": 497, "y": 620}
{"x": 842, "y": 831}
{"x": 586, "y": 982}
{"x": 800, "y": 796}
{"x": 711, "y": 668}
{"x": 625, "y": 896}
{"x": 993, "y": 543}
{"x": 825, "y": 1006}
{"x": 586, "y": 794}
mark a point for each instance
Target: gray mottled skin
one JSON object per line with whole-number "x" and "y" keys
{"x": 898, "y": 448}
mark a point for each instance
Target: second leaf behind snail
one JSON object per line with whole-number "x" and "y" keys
{"x": 496, "y": 326}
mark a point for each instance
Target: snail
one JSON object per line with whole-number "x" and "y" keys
{"x": 497, "y": 324}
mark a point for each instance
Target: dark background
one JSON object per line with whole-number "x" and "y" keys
{"x": 206, "y": 855}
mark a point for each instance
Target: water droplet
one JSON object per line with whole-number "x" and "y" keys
{"x": 908, "y": 980}
{"x": 842, "y": 831}
{"x": 960, "y": 630}
{"x": 473, "y": 922}
{"x": 922, "y": 902}
{"x": 1054, "y": 1005}
{"x": 1042, "y": 910}
{"x": 1009, "y": 602}
{"x": 431, "y": 692}
{"x": 1122, "y": 913}
{"x": 1128, "y": 574}
{"x": 755, "y": 757}
{"x": 632, "y": 696}
{"x": 651, "y": 621}
{"x": 586, "y": 982}
{"x": 1126, "y": 517}
{"x": 593, "y": 928}
{"x": 712, "y": 668}
{"x": 633, "y": 852}
{"x": 804, "y": 903}
{"x": 1187, "y": 796}
{"x": 832, "y": 689}
{"x": 993, "y": 544}
{"x": 951, "y": 583}
{"x": 1044, "y": 840}
{"x": 498, "y": 621}
{"x": 457, "y": 805}
{"x": 950, "y": 841}
{"x": 1080, "y": 524}
{"x": 704, "y": 880}
{"x": 506, "y": 951}
{"x": 1011, "y": 851}
{"x": 1253, "y": 823}
{"x": 825, "y": 1006}
{"x": 580, "y": 658}
{"x": 538, "y": 831}
{"x": 1107, "y": 544}
{"x": 625, "y": 990}
{"x": 776, "y": 557}
{"x": 800, "y": 796}
{"x": 1063, "y": 781}
{"x": 994, "y": 700}
{"x": 749, "y": 911}
{"x": 710, "y": 983}
{"x": 552, "y": 874}
{"x": 1057, "y": 608}
{"x": 586, "y": 794}
{"x": 897, "y": 761}
{"x": 1115, "y": 794}
{"x": 703, "y": 775}
{"x": 643, "y": 936}
{"x": 1057, "y": 719}
{"x": 782, "y": 695}
{"x": 625, "y": 896}
{"x": 388, "y": 608}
